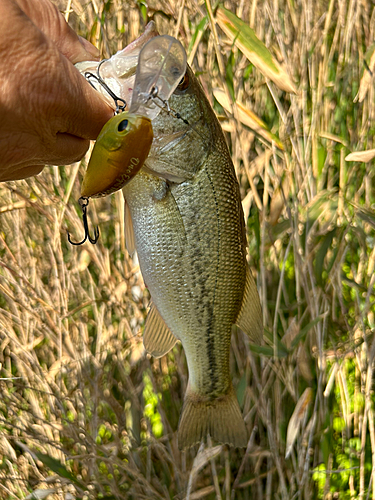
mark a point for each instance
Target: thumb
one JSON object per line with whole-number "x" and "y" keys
{"x": 46, "y": 16}
{"x": 87, "y": 111}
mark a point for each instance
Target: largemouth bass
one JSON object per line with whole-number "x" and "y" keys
{"x": 184, "y": 211}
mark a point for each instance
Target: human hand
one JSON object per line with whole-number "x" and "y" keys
{"x": 48, "y": 112}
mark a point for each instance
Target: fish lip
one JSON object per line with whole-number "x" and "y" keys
{"x": 149, "y": 32}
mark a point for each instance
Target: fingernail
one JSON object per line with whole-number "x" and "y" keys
{"x": 89, "y": 47}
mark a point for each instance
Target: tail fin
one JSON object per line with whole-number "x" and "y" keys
{"x": 221, "y": 418}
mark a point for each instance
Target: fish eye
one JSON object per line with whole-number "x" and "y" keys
{"x": 184, "y": 82}
{"x": 122, "y": 125}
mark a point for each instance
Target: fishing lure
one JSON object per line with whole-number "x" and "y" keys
{"x": 121, "y": 148}
{"x": 124, "y": 142}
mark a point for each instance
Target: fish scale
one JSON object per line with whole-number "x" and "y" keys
{"x": 189, "y": 231}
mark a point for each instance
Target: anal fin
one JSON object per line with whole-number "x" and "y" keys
{"x": 250, "y": 316}
{"x": 157, "y": 337}
{"x": 129, "y": 231}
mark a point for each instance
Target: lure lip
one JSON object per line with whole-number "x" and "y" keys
{"x": 119, "y": 71}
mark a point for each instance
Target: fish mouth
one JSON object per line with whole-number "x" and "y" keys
{"x": 118, "y": 72}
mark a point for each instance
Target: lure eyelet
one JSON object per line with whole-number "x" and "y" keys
{"x": 119, "y": 102}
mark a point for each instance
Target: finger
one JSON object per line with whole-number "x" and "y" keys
{"x": 69, "y": 149}
{"x": 20, "y": 172}
{"x": 80, "y": 109}
{"x": 51, "y": 22}
{"x": 90, "y": 48}
{"x": 66, "y": 149}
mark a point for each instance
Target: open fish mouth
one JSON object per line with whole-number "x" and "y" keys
{"x": 118, "y": 72}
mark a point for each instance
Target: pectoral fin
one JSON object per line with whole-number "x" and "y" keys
{"x": 157, "y": 337}
{"x": 129, "y": 231}
{"x": 250, "y": 316}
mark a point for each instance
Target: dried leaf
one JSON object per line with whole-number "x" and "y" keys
{"x": 291, "y": 333}
{"x": 333, "y": 137}
{"x": 83, "y": 260}
{"x": 331, "y": 380}
{"x": 57, "y": 365}
{"x": 249, "y": 44}
{"x": 296, "y": 419}
{"x": 40, "y": 493}
{"x": 202, "y": 493}
{"x": 7, "y": 449}
{"x": 303, "y": 364}
{"x": 368, "y": 69}
{"x": 277, "y": 202}
{"x": 247, "y": 117}
{"x": 276, "y": 207}
{"x": 203, "y": 457}
{"x": 120, "y": 291}
{"x": 364, "y": 156}
{"x": 246, "y": 204}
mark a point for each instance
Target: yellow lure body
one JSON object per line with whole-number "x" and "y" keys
{"x": 120, "y": 150}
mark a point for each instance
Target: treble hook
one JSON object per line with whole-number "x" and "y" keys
{"x": 83, "y": 201}
{"x": 120, "y": 103}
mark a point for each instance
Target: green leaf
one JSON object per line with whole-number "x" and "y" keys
{"x": 321, "y": 254}
{"x": 304, "y": 331}
{"x": 282, "y": 351}
{"x": 201, "y": 27}
{"x": 241, "y": 389}
{"x": 326, "y": 446}
{"x": 143, "y": 9}
{"x": 58, "y": 468}
{"x": 247, "y": 117}
{"x": 366, "y": 215}
{"x": 249, "y": 44}
{"x": 229, "y": 75}
{"x": 262, "y": 349}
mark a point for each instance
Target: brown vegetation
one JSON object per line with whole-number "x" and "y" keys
{"x": 83, "y": 411}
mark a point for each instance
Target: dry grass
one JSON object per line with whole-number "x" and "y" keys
{"x": 75, "y": 383}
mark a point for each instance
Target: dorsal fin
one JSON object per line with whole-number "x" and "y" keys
{"x": 129, "y": 231}
{"x": 157, "y": 337}
{"x": 250, "y": 316}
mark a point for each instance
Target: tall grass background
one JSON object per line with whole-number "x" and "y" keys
{"x": 84, "y": 412}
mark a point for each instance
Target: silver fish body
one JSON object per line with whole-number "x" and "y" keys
{"x": 190, "y": 237}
